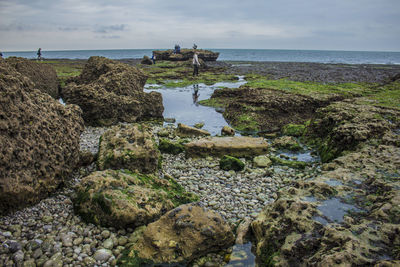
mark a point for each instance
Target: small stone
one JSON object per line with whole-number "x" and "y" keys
{"x": 102, "y": 255}
{"x": 78, "y": 241}
{"x": 89, "y": 261}
{"x": 105, "y": 234}
{"x": 18, "y": 256}
{"x": 29, "y": 263}
{"x": 122, "y": 241}
{"x": 108, "y": 243}
{"x": 47, "y": 219}
{"x": 37, "y": 253}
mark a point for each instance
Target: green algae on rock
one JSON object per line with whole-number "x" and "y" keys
{"x": 228, "y": 163}
{"x": 166, "y": 146}
{"x": 180, "y": 236}
{"x": 287, "y": 142}
{"x": 126, "y": 199}
{"x": 129, "y": 147}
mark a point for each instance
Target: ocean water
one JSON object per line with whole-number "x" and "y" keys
{"x": 319, "y": 56}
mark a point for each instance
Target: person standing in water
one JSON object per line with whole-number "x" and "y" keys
{"x": 39, "y": 54}
{"x": 196, "y": 64}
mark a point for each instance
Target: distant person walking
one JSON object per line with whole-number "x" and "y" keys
{"x": 196, "y": 64}
{"x": 39, "y": 54}
{"x": 153, "y": 58}
{"x": 194, "y": 46}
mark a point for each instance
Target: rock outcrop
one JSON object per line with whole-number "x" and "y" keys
{"x": 126, "y": 199}
{"x": 39, "y": 137}
{"x": 186, "y": 54}
{"x": 266, "y": 110}
{"x": 130, "y": 147}
{"x": 348, "y": 215}
{"x": 180, "y": 236}
{"x": 109, "y": 92}
{"x": 343, "y": 125}
{"x": 237, "y": 146}
{"x": 43, "y": 76}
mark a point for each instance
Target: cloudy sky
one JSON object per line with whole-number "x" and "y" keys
{"x": 261, "y": 24}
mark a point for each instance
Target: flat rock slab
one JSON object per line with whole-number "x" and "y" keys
{"x": 237, "y": 146}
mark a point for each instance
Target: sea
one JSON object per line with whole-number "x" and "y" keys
{"x": 317, "y": 56}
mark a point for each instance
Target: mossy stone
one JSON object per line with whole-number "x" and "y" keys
{"x": 166, "y": 146}
{"x": 293, "y": 129}
{"x": 228, "y": 163}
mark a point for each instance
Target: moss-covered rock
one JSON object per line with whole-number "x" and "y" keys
{"x": 228, "y": 163}
{"x": 180, "y": 236}
{"x": 262, "y": 161}
{"x": 291, "y": 129}
{"x": 290, "y": 163}
{"x": 129, "y": 147}
{"x": 287, "y": 143}
{"x": 125, "y": 199}
{"x": 166, "y": 146}
{"x": 342, "y": 126}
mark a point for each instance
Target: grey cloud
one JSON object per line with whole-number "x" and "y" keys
{"x": 109, "y": 28}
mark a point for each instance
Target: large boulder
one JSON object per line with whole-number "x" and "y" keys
{"x": 43, "y": 76}
{"x": 39, "y": 141}
{"x": 186, "y": 54}
{"x": 126, "y": 199}
{"x": 181, "y": 235}
{"x": 184, "y": 130}
{"x": 237, "y": 146}
{"x": 129, "y": 147}
{"x": 109, "y": 92}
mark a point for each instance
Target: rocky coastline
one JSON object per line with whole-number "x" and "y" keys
{"x": 279, "y": 203}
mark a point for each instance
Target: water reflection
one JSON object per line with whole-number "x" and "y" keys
{"x": 195, "y": 94}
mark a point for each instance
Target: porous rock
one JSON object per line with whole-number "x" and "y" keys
{"x": 39, "y": 137}
{"x": 43, "y": 76}
{"x": 237, "y": 146}
{"x": 129, "y": 147}
{"x": 183, "y": 234}
{"x": 109, "y": 92}
{"x": 125, "y": 199}
{"x": 184, "y": 130}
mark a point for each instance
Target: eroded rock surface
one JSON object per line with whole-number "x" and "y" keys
{"x": 187, "y": 131}
{"x": 43, "y": 76}
{"x": 237, "y": 146}
{"x": 125, "y": 199}
{"x": 181, "y": 235}
{"x": 129, "y": 147}
{"x": 39, "y": 137}
{"x": 186, "y": 54}
{"x": 109, "y": 91}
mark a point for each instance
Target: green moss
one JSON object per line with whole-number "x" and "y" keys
{"x": 212, "y": 102}
{"x": 266, "y": 257}
{"x": 130, "y": 258}
{"x": 246, "y": 123}
{"x": 296, "y": 130}
{"x": 166, "y": 146}
{"x": 231, "y": 163}
{"x": 289, "y": 163}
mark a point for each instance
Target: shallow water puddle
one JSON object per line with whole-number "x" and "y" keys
{"x": 333, "y": 210}
{"x": 305, "y": 155}
{"x": 242, "y": 256}
{"x": 181, "y": 103}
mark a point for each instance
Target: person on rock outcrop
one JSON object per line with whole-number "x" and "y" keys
{"x": 1, "y": 54}
{"x": 153, "y": 58}
{"x": 194, "y": 46}
{"x": 196, "y": 64}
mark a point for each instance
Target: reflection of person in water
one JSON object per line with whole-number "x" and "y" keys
{"x": 195, "y": 94}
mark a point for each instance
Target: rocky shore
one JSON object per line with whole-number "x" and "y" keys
{"x": 186, "y": 205}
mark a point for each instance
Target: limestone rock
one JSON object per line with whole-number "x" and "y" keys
{"x": 185, "y": 131}
{"x": 109, "y": 91}
{"x": 42, "y": 75}
{"x": 40, "y": 141}
{"x": 183, "y": 234}
{"x": 286, "y": 142}
{"x": 226, "y": 130}
{"x": 262, "y": 161}
{"x": 125, "y": 199}
{"x": 186, "y": 54}
{"x": 237, "y": 146}
{"x": 146, "y": 60}
{"x": 128, "y": 147}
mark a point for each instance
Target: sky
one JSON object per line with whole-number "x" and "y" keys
{"x": 355, "y": 25}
